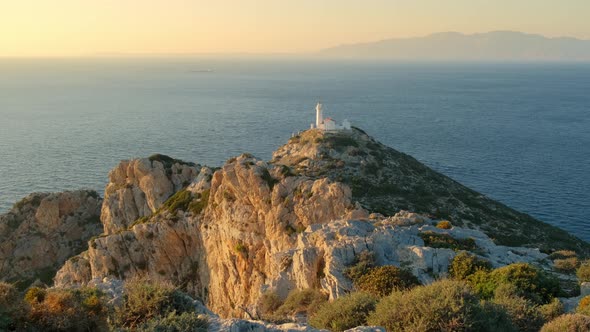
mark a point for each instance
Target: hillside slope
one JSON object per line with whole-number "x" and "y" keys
{"x": 385, "y": 180}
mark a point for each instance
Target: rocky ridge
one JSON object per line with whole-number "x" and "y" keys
{"x": 295, "y": 222}
{"x": 385, "y": 180}
{"x": 43, "y": 230}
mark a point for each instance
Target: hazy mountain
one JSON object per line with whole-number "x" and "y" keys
{"x": 497, "y": 45}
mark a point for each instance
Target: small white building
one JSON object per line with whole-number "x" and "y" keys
{"x": 327, "y": 124}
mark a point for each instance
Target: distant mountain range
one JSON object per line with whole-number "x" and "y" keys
{"x": 494, "y": 46}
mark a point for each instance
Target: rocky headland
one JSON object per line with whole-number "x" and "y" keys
{"x": 229, "y": 235}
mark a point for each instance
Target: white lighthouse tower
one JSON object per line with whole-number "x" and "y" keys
{"x": 319, "y": 116}
{"x": 327, "y": 124}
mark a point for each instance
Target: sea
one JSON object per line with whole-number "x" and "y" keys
{"x": 516, "y": 132}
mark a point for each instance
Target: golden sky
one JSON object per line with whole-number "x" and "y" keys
{"x": 91, "y": 27}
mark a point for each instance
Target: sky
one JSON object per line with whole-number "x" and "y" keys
{"x": 31, "y": 28}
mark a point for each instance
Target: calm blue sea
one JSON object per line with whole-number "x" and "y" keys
{"x": 519, "y": 133}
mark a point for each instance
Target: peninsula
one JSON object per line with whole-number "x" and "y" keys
{"x": 332, "y": 208}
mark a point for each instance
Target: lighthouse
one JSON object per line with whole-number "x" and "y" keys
{"x": 327, "y": 124}
{"x": 319, "y": 116}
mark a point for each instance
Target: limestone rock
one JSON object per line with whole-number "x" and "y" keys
{"x": 324, "y": 251}
{"x": 138, "y": 187}
{"x": 43, "y": 230}
{"x": 217, "y": 324}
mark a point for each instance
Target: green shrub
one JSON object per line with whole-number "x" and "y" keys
{"x": 268, "y": 303}
{"x": 583, "y": 271}
{"x": 445, "y": 305}
{"x": 173, "y": 322}
{"x": 12, "y": 308}
{"x": 381, "y": 281}
{"x": 363, "y": 262}
{"x": 552, "y": 310}
{"x": 566, "y": 264}
{"x": 561, "y": 254}
{"x": 305, "y": 301}
{"x": 482, "y": 284}
{"x": 495, "y": 318}
{"x": 444, "y": 224}
{"x": 340, "y": 142}
{"x": 35, "y": 294}
{"x": 523, "y": 313}
{"x": 584, "y": 306}
{"x": 145, "y": 300}
{"x": 438, "y": 240}
{"x": 531, "y": 282}
{"x": 68, "y": 310}
{"x": 344, "y": 313}
{"x": 465, "y": 264}
{"x": 567, "y": 323}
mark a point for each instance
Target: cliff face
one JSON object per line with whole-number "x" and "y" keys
{"x": 250, "y": 226}
{"x": 228, "y": 235}
{"x": 231, "y": 232}
{"x": 137, "y": 188}
{"x": 43, "y": 230}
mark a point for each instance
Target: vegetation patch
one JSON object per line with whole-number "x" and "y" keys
{"x": 381, "y": 281}
{"x": 584, "y": 306}
{"x": 13, "y": 310}
{"x": 139, "y": 221}
{"x": 444, "y": 224}
{"x": 197, "y": 206}
{"x": 241, "y": 249}
{"x": 168, "y": 161}
{"x": 569, "y": 322}
{"x": 561, "y": 254}
{"x": 175, "y": 322}
{"x": 344, "y": 313}
{"x": 444, "y": 305}
{"x": 583, "y": 272}
{"x": 524, "y": 315}
{"x": 340, "y": 142}
{"x": 145, "y": 301}
{"x": 34, "y": 201}
{"x": 268, "y": 303}
{"x": 66, "y": 309}
{"x": 531, "y": 282}
{"x": 552, "y": 310}
{"x": 298, "y": 302}
{"x": 361, "y": 265}
{"x": 178, "y": 201}
{"x": 567, "y": 265}
{"x": 438, "y": 240}
{"x": 465, "y": 264}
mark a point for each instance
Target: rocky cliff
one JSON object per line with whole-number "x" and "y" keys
{"x": 138, "y": 187}
{"x": 385, "y": 180}
{"x": 43, "y": 230}
{"x": 229, "y": 234}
